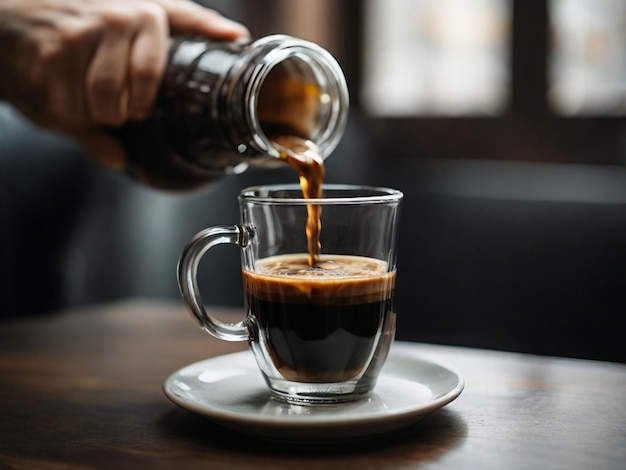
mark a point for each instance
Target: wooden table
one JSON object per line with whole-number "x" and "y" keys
{"x": 82, "y": 389}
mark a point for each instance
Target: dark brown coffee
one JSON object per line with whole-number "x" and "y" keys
{"x": 289, "y": 102}
{"x": 319, "y": 324}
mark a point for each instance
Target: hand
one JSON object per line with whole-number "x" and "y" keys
{"x": 74, "y": 66}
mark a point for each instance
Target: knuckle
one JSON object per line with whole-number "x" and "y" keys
{"x": 75, "y": 33}
{"x": 118, "y": 18}
{"x": 148, "y": 12}
{"x": 48, "y": 54}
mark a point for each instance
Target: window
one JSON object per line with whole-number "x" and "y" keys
{"x": 588, "y": 57}
{"x": 436, "y": 57}
{"x": 540, "y": 80}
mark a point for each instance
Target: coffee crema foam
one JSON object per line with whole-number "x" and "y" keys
{"x": 335, "y": 280}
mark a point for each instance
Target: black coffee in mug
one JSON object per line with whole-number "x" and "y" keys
{"x": 319, "y": 324}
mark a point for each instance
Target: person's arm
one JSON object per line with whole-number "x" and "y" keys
{"x": 75, "y": 66}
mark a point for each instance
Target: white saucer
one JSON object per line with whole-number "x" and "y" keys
{"x": 231, "y": 392}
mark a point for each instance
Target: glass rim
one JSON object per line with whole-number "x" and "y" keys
{"x": 352, "y": 194}
{"x": 281, "y": 48}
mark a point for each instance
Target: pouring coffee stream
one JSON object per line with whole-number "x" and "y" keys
{"x": 304, "y": 157}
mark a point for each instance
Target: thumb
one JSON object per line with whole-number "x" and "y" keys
{"x": 186, "y": 17}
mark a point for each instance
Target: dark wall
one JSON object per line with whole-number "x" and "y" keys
{"x": 520, "y": 257}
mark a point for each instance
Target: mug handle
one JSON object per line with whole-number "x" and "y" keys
{"x": 188, "y": 282}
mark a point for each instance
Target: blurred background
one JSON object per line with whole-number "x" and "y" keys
{"x": 503, "y": 121}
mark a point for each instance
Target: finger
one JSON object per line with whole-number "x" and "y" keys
{"x": 106, "y": 92}
{"x": 189, "y": 18}
{"x": 97, "y": 143}
{"x": 148, "y": 57}
{"x": 102, "y": 147}
{"x": 56, "y": 75}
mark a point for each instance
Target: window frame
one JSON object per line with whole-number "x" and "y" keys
{"x": 528, "y": 130}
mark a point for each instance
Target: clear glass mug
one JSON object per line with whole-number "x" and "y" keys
{"x": 319, "y": 334}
